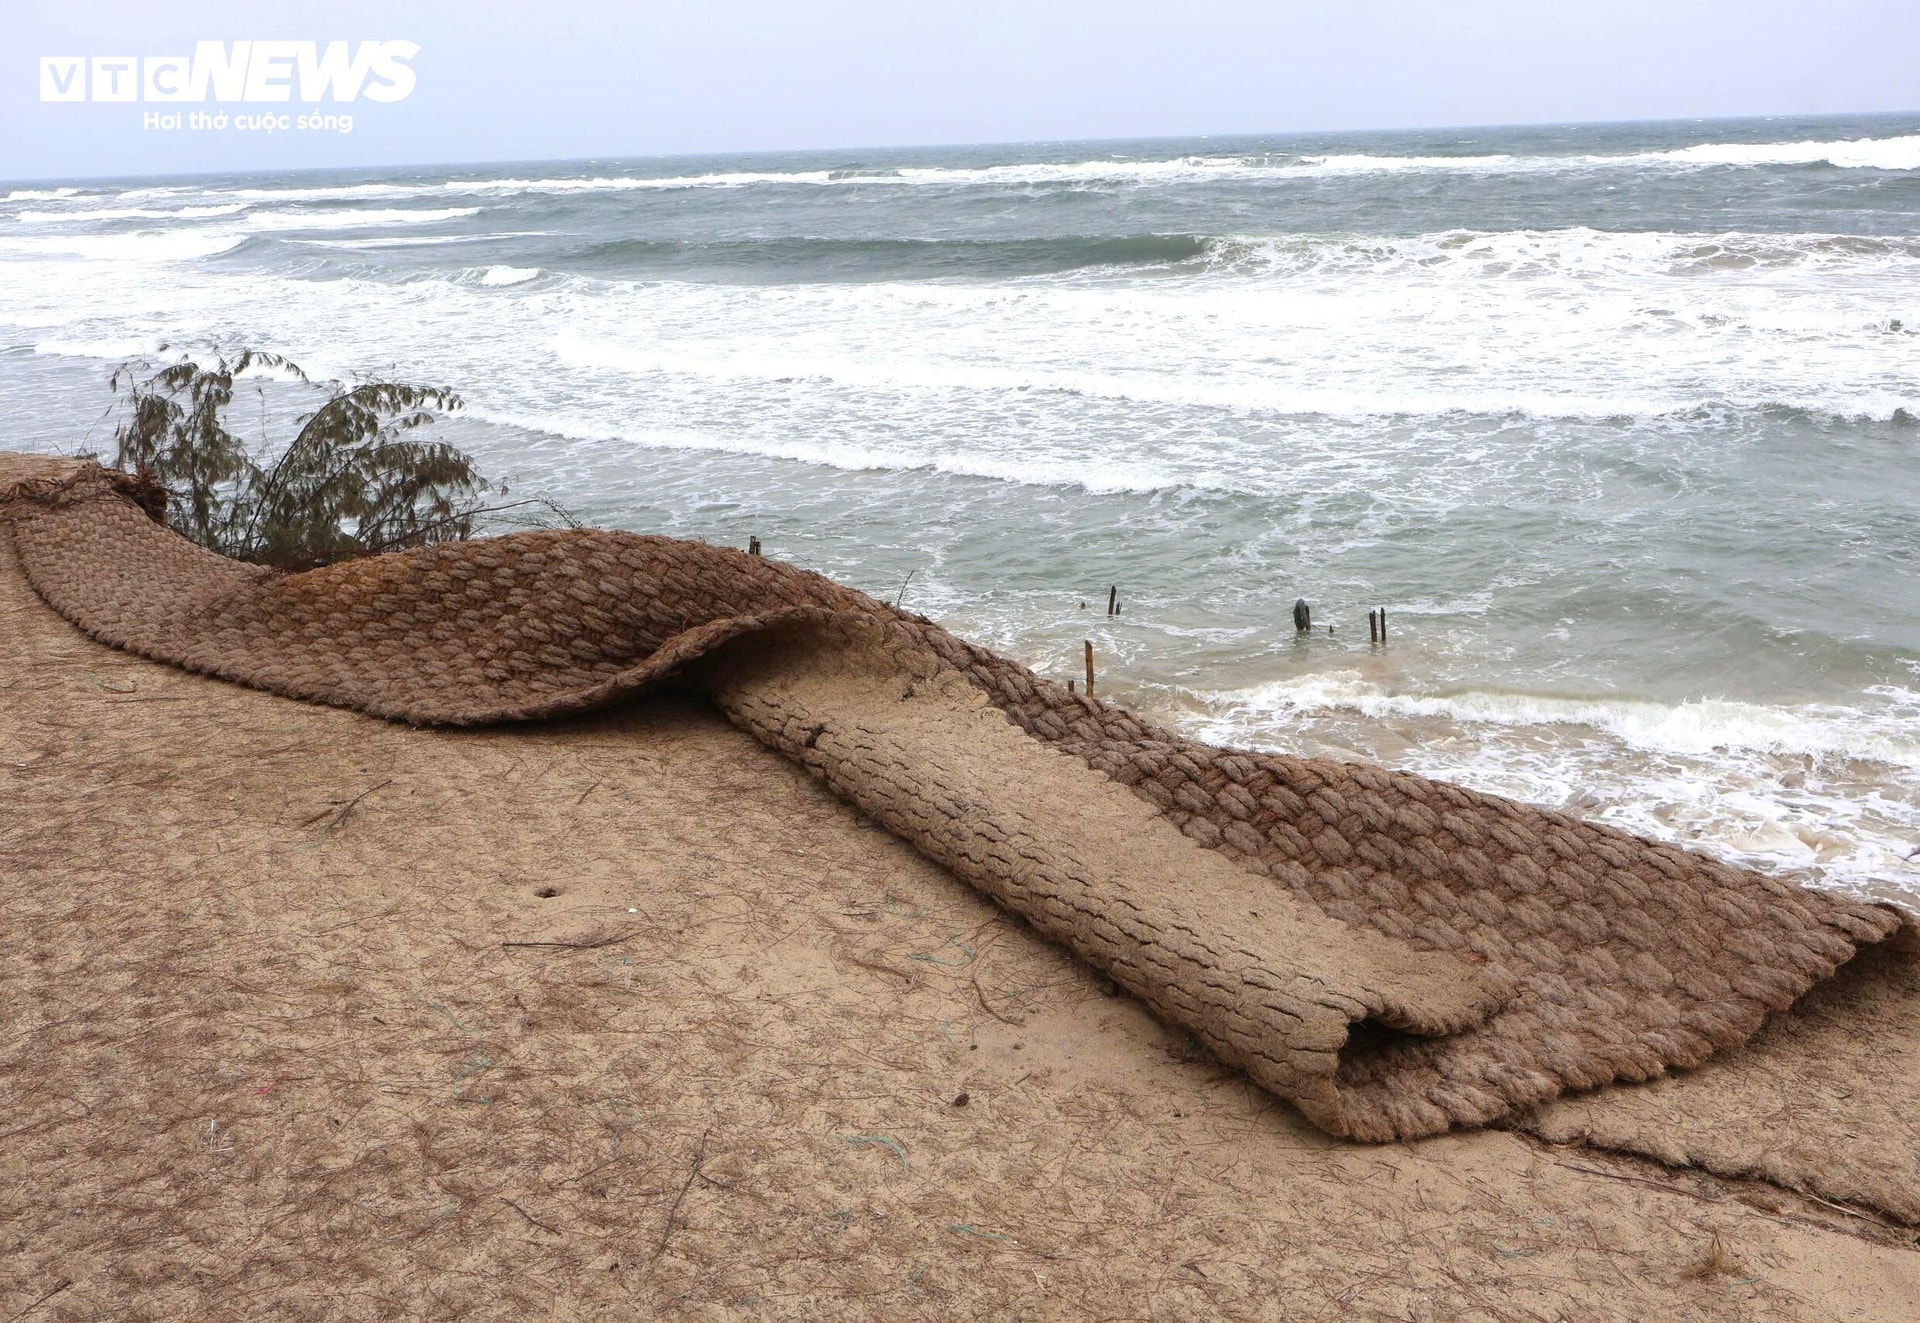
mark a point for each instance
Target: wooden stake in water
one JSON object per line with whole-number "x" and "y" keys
{"x": 1373, "y": 627}
{"x": 1302, "y": 616}
{"x": 1383, "y": 624}
{"x": 1113, "y": 600}
{"x": 1089, "y": 647}
{"x": 753, "y": 546}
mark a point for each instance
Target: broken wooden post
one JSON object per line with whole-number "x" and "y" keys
{"x": 1113, "y": 600}
{"x": 1373, "y": 627}
{"x": 1089, "y": 647}
{"x": 1302, "y": 616}
{"x": 753, "y": 546}
{"x": 1383, "y": 624}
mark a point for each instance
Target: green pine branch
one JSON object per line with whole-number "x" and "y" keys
{"x": 354, "y": 481}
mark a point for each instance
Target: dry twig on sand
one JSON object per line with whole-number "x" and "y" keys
{"x": 338, "y": 814}
{"x": 57, "y": 1289}
{"x": 666, "y": 1232}
{"x": 987, "y": 1006}
{"x": 591, "y": 943}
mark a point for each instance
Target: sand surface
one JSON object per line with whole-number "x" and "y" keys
{"x": 308, "y": 1015}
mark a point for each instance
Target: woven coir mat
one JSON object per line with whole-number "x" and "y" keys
{"x": 1395, "y": 955}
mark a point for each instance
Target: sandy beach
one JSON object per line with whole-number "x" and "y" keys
{"x": 311, "y": 1015}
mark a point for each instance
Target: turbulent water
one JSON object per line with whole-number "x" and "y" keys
{"x": 1620, "y": 424}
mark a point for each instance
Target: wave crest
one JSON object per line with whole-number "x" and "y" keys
{"x": 1899, "y": 153}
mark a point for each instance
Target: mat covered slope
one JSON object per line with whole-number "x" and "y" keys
{"x": 1822, "y": 1099}
{"x": 1396, "y": 955}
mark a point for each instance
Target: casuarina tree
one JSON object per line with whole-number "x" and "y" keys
{"x": 355, "y": 480}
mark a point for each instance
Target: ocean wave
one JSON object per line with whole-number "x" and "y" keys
{"x": 118, "y": 348}
{"x": 1571, "y": 251}
{"x": 1496, "y": 163}
{"x": 140, "y": 246}
{"x": 1899, "y": 153}
{"x": 287, "y": 193}
{"x": 1453, "y": 329}
{"x": 1067, "y": 472}
{"x": 193, "y": 240}
{"x": 41, "y": 194}
{"x": 1568, "y": 254}
{"x": 1902, "y": 153}
{"x": 409, "y": 240}
{"x": 1184, "y": 169}
{"x": 508, "y": 275}
{"x": 1362, "y": 390}
{"x": 1826, "y": 789}
{"x": 352, "y": 219}
{"x": 127, "y": 213}
{"x": 1706, "y": 726}
{"x": 818, "y": 258}
{"x": 369, "y": 192}
{"x": 618, "y": 183}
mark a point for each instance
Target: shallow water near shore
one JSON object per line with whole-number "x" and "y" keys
{"x": 1617, "y": 422}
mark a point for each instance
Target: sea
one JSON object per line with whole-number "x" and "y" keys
{"x": 1619, "y": 424}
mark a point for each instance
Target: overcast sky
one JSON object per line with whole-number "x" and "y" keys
{"x": 542, "y": 79}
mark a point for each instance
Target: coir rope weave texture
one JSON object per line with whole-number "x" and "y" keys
{"x": 1396, "y": 955}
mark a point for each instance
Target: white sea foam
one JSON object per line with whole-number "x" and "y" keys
{"x": 618, "y": 183}
{"x": 1364, "y": 163}
{"x": 509, "y": 275}
{"x": 190, "y": 240}
{"x": 140, "y": 246}
{"x": 1901, "y": 153}
{"x": 1564, "y": 324}
{"x": 1821, "y": 787}
{"x": 1567, "y": 324}
{"x": 40, "y": 194}
{"x": 127, "y": 213}
{"x": 288, "y": 193}
{"x": 873, "y": 366}
{"x": 353, "y": 219}
{"x": 1573, "y": 253}
{"x": 847, "y": 456}
{"x": 504, "y": 186}
{"x": 118, "y": 348}
{"x": 405, "y": 240}
{"x": 1705, "y": 726}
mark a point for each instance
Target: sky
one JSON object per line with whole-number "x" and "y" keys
{"x": 572, "y": 79}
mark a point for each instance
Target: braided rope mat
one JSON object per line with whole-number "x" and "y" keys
{"x": 1395, "y": 955}
{"x": 1821, "y": 1100}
